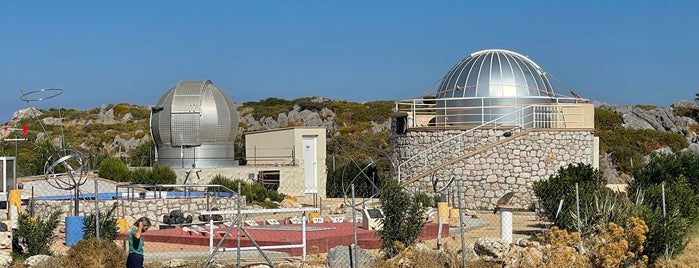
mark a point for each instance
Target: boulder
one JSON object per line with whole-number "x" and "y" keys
{"x": 287, "y": 203}
{"x": 523, "y": 257}
{"x": 491, "y": 247}
{"x": 35, "y": 260}
{"x": 5, "y": 258}
{"x": 5, "y": 240}
{"x": 341, "y": 257}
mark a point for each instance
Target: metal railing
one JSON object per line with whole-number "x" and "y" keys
{"x": 469, "y": 111}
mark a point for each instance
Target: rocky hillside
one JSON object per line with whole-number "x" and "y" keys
{"x": 644, "y": 129}
{"x": 123, "y": 129}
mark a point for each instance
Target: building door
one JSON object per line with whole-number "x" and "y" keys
{"x": 310, "y": 164}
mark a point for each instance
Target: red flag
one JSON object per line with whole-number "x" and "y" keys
{"x": 24, "y": 130}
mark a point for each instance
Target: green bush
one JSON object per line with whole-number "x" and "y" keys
{"x": 403, "y": 219}
{"x": 254, "y": 192}
{"x": 270, "y": 107}
{"x": 108, "y": 227}
{"x": 163, "y": 175}
{"x": 36, "y": 234}
{"x": 142, "y": 176}
{"x": 676, "y": 229}
{"x": 606, "y": 119}
{"x": 680, "y": 175}
{"x": 114, "y": 169}
{"x": 562, "y": 187}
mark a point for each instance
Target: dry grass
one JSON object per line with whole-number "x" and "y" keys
{"x": 688, "y": 258}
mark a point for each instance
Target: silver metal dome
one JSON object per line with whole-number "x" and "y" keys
{"x": 195, "y": 124}
{"x": 495, "y": 73}
{"x": 488, "y": 85}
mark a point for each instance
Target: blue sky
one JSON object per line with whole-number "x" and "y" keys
{"x": 98, "y": 52}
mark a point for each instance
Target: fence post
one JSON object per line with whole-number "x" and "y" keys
{"x": 354, "y": 230}
{"x": 97, "y": 212}
{"x": 577, "y": 205}
{"x": 667, "y": 247}
{"x": 239, "y": 223}
{"x": 461, "y": 226}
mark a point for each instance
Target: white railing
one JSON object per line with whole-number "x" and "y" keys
{"x": 450, "y": 112}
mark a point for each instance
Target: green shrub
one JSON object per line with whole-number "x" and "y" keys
{"x": 270, "y": 107}
{"x": 142, "y": 176}
{"x": 686, "y": 110}
{"x": 562, "y": 187}
{"x": 114, "y": 169}
{"x": 646, "y": 107}
{"x": 680, "y": 175}
{"x": 403, "y": 219}
{"x": 427, "y": 200}
{"x": 628, "y": 145}
{"x": 254, "y": 192}
{"x": 674, "y": 230}
{"x": 108, "y": 227}
{"x": 163, "y": 175}
{"x": 668, "y": 168}
{"x": 606, "y": 119}
{"x": 36, "y": 234}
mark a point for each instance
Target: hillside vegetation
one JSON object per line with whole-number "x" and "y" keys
{"x": 357, "y": 133}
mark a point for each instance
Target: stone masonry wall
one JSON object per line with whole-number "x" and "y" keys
{"x": 132, "y": 209}
{"x": 511, "y": 166}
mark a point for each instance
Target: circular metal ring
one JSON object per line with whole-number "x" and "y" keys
{"x": 74, "y": 164}
{"x": 52, "y": 91}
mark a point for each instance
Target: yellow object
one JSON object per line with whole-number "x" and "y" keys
{"x": 15, "y": 207}
{"x": 313, "y": 215}
{"x": 454, "y": 213}
{"x": 443, "y": 211}
{"x": 292, "y": 198}
{"x": 121, "y": 222}
{"x": 16, "y": 199}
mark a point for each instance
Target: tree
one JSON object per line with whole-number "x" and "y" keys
{"x": 403, "y": 219}
{"x": 142, "y": 156}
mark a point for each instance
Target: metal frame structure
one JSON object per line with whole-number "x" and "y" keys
{"x": 240, "y": 227}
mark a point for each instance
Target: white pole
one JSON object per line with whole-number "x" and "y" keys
{"x": 211, "y": 234}
{"x": 303, "y": 234}
{"x": 506, "y": 224}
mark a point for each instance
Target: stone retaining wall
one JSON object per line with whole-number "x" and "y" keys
{"x": 511, "y": 166}
{"x": 132, "y": 209}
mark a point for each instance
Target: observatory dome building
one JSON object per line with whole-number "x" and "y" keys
{"x": 489, "y": 84}
{"x": 495, "y": 125}
{"x": 194, "y": 124}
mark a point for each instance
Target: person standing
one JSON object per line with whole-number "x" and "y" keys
{"x": 135, "y": 258}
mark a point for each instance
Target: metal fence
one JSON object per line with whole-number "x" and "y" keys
{"x": 233, "y": 231}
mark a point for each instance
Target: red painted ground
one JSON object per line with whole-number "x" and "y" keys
{"x": 317, "y": 241}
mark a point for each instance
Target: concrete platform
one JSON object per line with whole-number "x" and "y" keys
{"x": 320, "y": 237}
